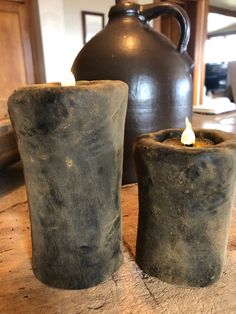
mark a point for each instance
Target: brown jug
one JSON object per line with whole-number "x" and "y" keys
{"x": 158, "y": 73}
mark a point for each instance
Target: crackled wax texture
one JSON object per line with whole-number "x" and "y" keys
{"x": 71, "y": 144}
{"x": 185, "y": 196}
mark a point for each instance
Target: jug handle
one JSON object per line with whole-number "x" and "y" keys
{"x": 151, "y": 11}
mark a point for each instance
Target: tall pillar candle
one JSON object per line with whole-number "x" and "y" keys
{"x": 185, "y": 198}
{"x": 71, "y": 144}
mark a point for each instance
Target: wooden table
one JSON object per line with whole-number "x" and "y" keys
{"x": 224, "y": 122}
{"x": 128, "y": 291}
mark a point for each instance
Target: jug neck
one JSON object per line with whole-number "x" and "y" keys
{"x": 124, "y": 8}
{"x": 124, "y": 1}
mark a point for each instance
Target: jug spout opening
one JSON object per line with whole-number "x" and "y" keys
{"x": 124, "y": 8}
{"x": 124, "y": 1}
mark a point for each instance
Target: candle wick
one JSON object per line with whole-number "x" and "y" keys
{"x": 187, "y": 145}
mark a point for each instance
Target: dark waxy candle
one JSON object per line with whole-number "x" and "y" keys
{"x": 185, "y": 198}
{"x": 71, "y": 144}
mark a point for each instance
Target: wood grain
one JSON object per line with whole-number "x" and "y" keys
{"x": 197, "y": 12}
{"x": 128, "y": 291}
{"x": 8, "y": 149}
{"x": 200, "y": 39}
{"x": 223, "y": 11}
{"x": 36, "y": 40}
{"x": 12, "y": 72}
{"x": 18, "y": 33}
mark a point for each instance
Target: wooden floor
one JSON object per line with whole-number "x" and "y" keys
{"x": 128, "y": 291}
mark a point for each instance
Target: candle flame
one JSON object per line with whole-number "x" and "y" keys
{"x": 188, "y": 136}
{"x": 68, "y": 79}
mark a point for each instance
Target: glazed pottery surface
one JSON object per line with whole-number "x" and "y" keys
{"x": 157, "y": 72}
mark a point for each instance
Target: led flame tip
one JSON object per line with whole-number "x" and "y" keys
{"x": 187, "y": 123}
{"x": 68, "y": 79}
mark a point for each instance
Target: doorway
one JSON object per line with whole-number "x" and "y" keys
{"x": 21, "y": 56}
{"x": 219, "y": 54}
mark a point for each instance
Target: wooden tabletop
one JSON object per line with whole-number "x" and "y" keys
{"x": 224, "y": 122}
{"x": 128, "y": 291}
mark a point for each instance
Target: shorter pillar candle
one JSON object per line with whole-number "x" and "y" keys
{"x": 185, "y": 198}
{"x": 71, "y": 144}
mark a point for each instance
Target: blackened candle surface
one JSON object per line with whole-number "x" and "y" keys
{"x": 71, "y": 144}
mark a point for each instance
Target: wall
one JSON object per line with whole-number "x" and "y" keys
{"x": 53, "y": 35}
{"x": 61, "y": 28}
{"x": 73, "y": 21}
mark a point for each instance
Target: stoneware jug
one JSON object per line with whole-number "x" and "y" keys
{"x": 157, "y": 72}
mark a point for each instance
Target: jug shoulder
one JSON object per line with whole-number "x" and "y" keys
{"x": 131, "y": 40}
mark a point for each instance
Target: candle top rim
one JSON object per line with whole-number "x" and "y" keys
{"x": 219, "y": 138}
{"x": 78, "y": 84}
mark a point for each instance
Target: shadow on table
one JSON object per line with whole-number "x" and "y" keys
{"x": 11, "y": 178}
